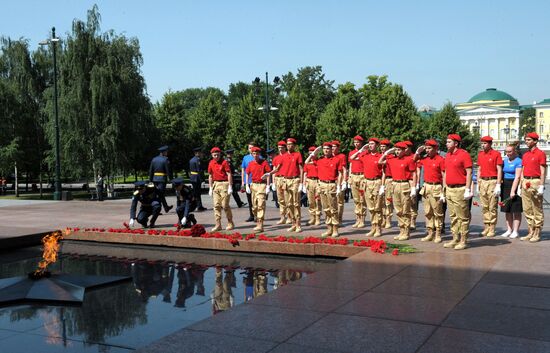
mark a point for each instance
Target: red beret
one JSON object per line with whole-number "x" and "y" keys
{"x": 432, "y": 143}
{"x": 408, "y": 143}
{"x": 454, "y": 137}
{"x": 358, "y": 138}
{"x": 290, "y": 140}
{"x": 335, "y": 142}
{"x": 215, "y": 149}
{"x": 385, "y": 142}
{"x": 401, "y": 145}
{"x": 533, "y": 135}
{"x": 487, "y": 139}
{"x": 281, "y": 143}
{"x": 312, "y": 148}
{"x": 327, "y": 144}
{"x": 255, "y": 149}
{"x": 374, "y": 139}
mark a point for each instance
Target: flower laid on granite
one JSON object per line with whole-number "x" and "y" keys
{"x": 125, "y": 224}
{"x": 197, "y": 230}
{"x": 395, "y": 252}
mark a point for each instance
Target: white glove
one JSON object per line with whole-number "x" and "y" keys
{"x": 497, "y": 190}
{"x": 442, "y": 199}
{"x": 273, "y": 187}
{"x": 344, "y": 186}
{"x": 338, "y": 190}
{"x": 519, "y": 191}
{"x": 247, "y": 188}
{"x": 382, "y": 190}
{"x": 131, "y": 223}
{"x": 540, "y": 190}
{"x": 209, "y": 191}
{"x": 267, "y": 188}
{"x": 417, "y": 187}
{"x": 230, "y": 189}
{"x": 477, "y": 188}
{"x": 303, "y": 188}
{"x": 183, "y": 221}
{"x": 413, "y": 192}
{"x": 468, "y": 194}
{"x": 264, "y": 177}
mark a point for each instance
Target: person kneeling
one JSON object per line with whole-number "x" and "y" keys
{"x": 186, "y": 204}
{"x": 147, "y": 195}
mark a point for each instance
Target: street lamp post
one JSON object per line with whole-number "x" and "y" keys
{"x": 53, "y": 41}
{"x": 267, "y": 107}
{"x": 506, "y": 132}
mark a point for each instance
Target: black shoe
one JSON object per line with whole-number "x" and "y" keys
{"x": 243, "y": 204}
{"x": 152, "y": 225}
{"x": 200, "y": 209}
{"x": 192, "y": 219}
{"x": 250, "y": 219}
{"x": 167, "y": 209}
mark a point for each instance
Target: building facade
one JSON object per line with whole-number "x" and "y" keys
{"x": 542, "y": 113}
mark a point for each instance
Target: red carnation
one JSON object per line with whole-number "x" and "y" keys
{"x": 197, "y": 230}
{"x": 362, "y": 192}
{"x": 527, "y": 185}
{"x": 126, "y": 225}
{"x": 501, "y": 204}
{"x": 390, "y": 200}
{"x": 395, "y": 252}
{"x": 476, "y": 203}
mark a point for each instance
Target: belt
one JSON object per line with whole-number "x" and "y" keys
{"x": 400, "y": 181}
{"x": 430, "y": 183}
{"x": 294, "y": 177}
{"x": 160, "y": 174}
{"x": 373, "y": 178}
{"x": 259, "y": 182}
{"x": 221, "y": 181}
{"x": 360, "y": 173}
{"x": 456, "y": 185}
{"x": 488, "y": 178}
{"x": 531, "y": 177}
{"x": 328, "y": 181}
{"x": 194, "y": 173}
{"x": 313, "y": 178}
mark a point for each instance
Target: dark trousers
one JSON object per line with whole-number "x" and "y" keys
{"x": 249, "y": 199}
{"x": 275, "y": 198}
{"x": 183, "y": 212}
{"x": 161, "y": 188}
{"x": 197, "y": 192}
{"x": 147, "y": 211}
{"x": 236, "y": 197}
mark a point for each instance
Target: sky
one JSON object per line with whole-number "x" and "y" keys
{"x": 439, "y": 50}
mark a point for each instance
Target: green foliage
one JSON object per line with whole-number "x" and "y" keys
{"x": 528, "y": 122}
{"x": 208, "y": 121}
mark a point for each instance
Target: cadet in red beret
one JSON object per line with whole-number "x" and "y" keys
{"x": 344, "y": 185}
{"x": 292, "y": 171}
{"x": 220, "y": 181}
{"x": 330, "y": 171}
{"x": 458, "y": 183}
{"x": 533, "y": 176}
{"x": 489, "y": 179}
{"x": 432, "y": 190}
{"x": 387, "y": 206}
{"x": 278, "y": 182}
{"x": 355, "y": 181}
{"x": 311, "y": 185}
{"x": 372, "y": 176}
{"x": 260, "y": 173}
{"x": 403, "y": 171}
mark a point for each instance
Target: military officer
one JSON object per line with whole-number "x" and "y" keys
{"x": 403, "y": 171}
{"x": 344, "y": 186}
{"x": 433, "y": 166}
{"x": 330, "y": 170}
{"x": 355, "y": 181}
{"x": 160, "y": 173}
{"x": 147, "y": 195}
{"x": 533, "y": 175}
{"x": 197, "y": 176}
{"x": 458, "y": 183}
{"x": 185, "y": 203}
{"x": 372, "y": 184}
{"x": 489, "y": 178}
{"x": 220, "y": 183}
{"x": 311, "y": 187}
{"x": 387, "y": 206}
{"x": 260, "y": 173}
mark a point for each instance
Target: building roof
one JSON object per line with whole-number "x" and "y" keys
{"x": 544, "y": 101}
{"x": 491, "y": 94}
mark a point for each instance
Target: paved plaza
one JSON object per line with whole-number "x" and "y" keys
{"x": 491, "y": 297}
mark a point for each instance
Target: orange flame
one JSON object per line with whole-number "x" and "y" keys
{"x": 51, "y": 247}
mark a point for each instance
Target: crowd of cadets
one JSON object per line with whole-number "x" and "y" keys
{"x": 383, "y": 179}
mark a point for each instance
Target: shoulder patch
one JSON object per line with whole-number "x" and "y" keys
{"x": 136, "y": 193}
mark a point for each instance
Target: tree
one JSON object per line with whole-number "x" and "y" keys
{"x": 340, "y": 120}
{"x": 445, "y": 122}
{"x": 306, "y": 96}
{"x": 528, "y": 121}
{"x": 208, "y": 121}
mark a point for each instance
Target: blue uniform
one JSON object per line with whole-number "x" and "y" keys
{"x": 185, "y": 205}
{"x": 196, "y": 175}
{"x": 159, "y": 171}
{"x": 150, "y": 206}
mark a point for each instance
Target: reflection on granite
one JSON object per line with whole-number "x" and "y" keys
{"x": 163, "y": 297}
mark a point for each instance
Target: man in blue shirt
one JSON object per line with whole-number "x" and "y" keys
{"x": 246, "y": 160}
